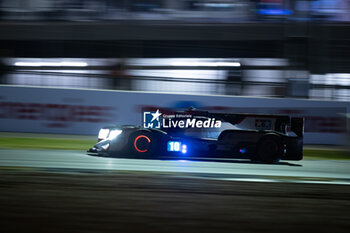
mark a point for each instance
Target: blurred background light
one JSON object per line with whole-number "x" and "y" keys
{"x": 224, "y": 76}
{"x": 280, "y": 48}
{"x": 56, "y": 64}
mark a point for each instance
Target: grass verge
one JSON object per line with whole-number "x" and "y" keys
{"x": 84, "y": 144}
{"x": 46, "y": 143}
{"x": 337, "y": 154}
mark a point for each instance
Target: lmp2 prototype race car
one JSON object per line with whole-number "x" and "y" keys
{"x": 183, "y": 135}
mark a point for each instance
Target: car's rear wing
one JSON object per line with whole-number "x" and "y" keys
{"x": 277, "y": 122}
{"x": 236, "y": 118}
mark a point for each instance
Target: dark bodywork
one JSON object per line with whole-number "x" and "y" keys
{"x": 284, "y": 140}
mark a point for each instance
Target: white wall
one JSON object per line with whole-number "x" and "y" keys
{"x": 73, "y": 111}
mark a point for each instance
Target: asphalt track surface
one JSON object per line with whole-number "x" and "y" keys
{"x": 69, "y": 191}
{"x": 305, "y": 171}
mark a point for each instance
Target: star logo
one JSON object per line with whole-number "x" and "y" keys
{"x": 152, "y": 119}
{"x": 156, "y": 115}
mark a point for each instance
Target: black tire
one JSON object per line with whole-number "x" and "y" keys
{"x": 270, "y": 149}
{"x": 142, "y": 144}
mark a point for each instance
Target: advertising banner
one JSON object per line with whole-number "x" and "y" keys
{"x": 76, "y": 111}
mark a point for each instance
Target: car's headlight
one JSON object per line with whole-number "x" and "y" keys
{"x": 103, "y": 134}
{"x": 114, "y": 133}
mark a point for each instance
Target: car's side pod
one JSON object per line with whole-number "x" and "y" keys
{"x": 297, "y": 126}
{"x": 294, "y": 145}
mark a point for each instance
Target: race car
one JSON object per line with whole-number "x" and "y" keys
{"x": 266, "y": 138}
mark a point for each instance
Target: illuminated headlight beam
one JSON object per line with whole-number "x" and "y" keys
{"x": 207, "y": 64}
{"x": 52, "y": 64}
{"x": 184, "y": 149}
{"x": 103, "y": 134}
{"x": 114, "y": 133}
{"x": 105, "y": 147}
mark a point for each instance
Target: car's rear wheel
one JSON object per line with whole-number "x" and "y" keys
{"x": 270, "y": 149}
{"x": 142, "y": 143}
